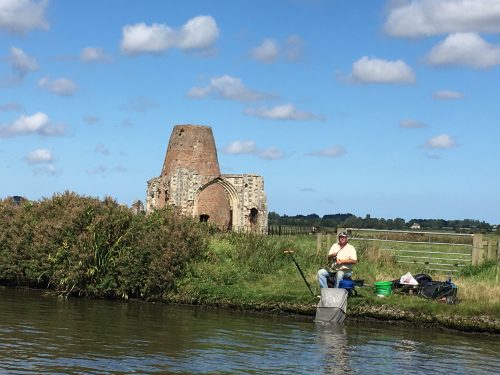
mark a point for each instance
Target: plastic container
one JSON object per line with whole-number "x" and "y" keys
{"x": 346, "y": 284}
{"x": 383, "y": 288}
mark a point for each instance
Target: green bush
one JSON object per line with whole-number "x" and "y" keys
{"x": 82, "y": 245}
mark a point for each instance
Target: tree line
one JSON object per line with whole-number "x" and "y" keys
{"x": 348, "y": 220}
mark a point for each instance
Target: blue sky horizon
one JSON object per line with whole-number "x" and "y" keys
{"x": 387, "y": 108}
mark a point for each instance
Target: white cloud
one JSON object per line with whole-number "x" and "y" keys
{"x": 21, "y": 63}
{"x": 61, "y": 86}
{"x": 94, "y": 54}
{"x": 433, "y": 156}
{"x": 373, "y": 70}
{"x": 199, "y": 92}
{"x": 443, "y": 141}
{"x": 411, "y": 124}
{"x": 39, "y": 123}
{"x": 332, "y": 152}
{"x": 140, "y": 104}
{"x": 11, "y": 106}
{"x": 229, "y": 87}
{"x": 101, "y": 169}
{"x": 101, "y": 149}
{"x": 419, "y": 18}
{"x": 40, "y": 155}
{"x": 466, "y": 49}
{"x": 267, "y": 52}
{"x": 141, "y": 38}
{"x": 198, "y": 33}
{"x": 20, "y": 16}
{"x": 119, "y": 169}
{"x": 271, "y": 153}
{"x": 250, "y": 148}
{"x": 226, "y": 87}
{"x": 127, "y": 123}
{"x": 282, "y": 112}
{"x": 240, "y": 147}
{"x": 308, "y": 190}
{"x": 91, "y": 119}
{"x": 294, "y": 46}
{"x": 447, "y": 95}
{"x": 49, "y": 169}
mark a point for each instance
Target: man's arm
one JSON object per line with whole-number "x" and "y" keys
{"x": 346, "y": 261}
{"x": 332, "y": 255}
{"x": 351, "y": 258}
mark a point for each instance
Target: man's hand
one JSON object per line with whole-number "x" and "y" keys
{"x": 346, "y": 261}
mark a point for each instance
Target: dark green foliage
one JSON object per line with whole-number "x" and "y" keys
{"x": 82, "y": 245}
{"x": 347, "y": 220}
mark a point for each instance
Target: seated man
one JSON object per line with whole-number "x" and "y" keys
{"x": 342, "y": 256}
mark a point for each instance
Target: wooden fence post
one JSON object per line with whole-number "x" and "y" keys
{"x": 318, "y": 243}
{"x": 491, "y": 254}
{"x": 477, "y": 249}
{"x": 498, "y": 259}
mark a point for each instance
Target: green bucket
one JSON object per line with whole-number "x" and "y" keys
{"x": 383, "y": 288}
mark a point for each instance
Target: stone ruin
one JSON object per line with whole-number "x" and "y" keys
{"x": 191, "y": 181}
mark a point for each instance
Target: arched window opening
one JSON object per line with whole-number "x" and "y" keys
{"x": 253, "y": 216}
{"x": 230, "y": 224}
{"x": 204, "y": 218}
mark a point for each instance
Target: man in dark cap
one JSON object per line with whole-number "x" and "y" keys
{"x": 341, "y": 257}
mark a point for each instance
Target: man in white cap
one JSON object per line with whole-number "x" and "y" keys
{"x": 341, "y": 257}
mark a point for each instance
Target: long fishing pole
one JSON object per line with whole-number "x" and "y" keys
{"x": 298, "y": 267}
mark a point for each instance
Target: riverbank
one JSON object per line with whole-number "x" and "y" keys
{"x": 359, "y": 308}
{"x": 78, "y": 246}
{"x": 254, "y": 273}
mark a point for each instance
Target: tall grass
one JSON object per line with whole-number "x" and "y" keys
{"x": 239, "y": 269}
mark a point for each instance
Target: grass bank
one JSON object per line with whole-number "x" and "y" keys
{"x": 245, "y": 271}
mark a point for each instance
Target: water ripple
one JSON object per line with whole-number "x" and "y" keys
{"x": 42, "y": 335}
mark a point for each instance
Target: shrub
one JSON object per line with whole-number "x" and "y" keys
{"x": 82, "y": 245}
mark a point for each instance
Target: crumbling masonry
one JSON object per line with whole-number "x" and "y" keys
{"x": 191, "y": 180}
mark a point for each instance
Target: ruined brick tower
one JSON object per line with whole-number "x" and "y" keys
{"x": 191, "y": 180}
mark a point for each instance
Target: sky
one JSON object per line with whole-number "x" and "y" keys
{"x": 386, "y": 108}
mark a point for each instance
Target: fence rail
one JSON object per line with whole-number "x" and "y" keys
{"x": 288, "y": 230}
{"x": 435, "y": 251}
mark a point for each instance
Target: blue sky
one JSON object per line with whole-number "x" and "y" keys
{"x": 387, "y": 108}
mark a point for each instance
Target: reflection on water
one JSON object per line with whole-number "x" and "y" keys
{"x": 41, "y": 334}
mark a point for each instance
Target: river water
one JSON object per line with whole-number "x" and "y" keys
{"x": 42, "y": 334}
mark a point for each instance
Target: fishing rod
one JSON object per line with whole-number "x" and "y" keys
{"x": 350, "y": 234}
{"x": 298, "y": 267}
